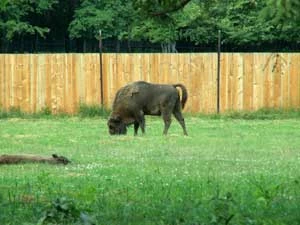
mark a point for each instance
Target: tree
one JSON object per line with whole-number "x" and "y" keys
{"x": 165, "y": 22}
{"x": 200, "y": 19}
{"x": 284, "y": 15}
{"x": 160, "y": 7}
{"x": 242, "y": 22}
{"x": 14, "y": 18}
{"x": 114, "y": 18}
{"x": 162, "y": 21}
{"x": 282, "y": 10}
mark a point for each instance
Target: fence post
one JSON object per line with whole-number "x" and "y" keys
{"x": 218, "y": 72}
{"x": 101, "y": 72}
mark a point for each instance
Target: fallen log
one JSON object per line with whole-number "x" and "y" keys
{"x": 18, "y": 159}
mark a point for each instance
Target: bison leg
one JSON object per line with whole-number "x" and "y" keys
{"x": 140, "y": 122}
{"x": 178, "y": 115}
{"x": 166, "y": 111}
{"x": 136, "y": 127}
{"x": 167, "y": 121}
{"x": 180, "y": 119}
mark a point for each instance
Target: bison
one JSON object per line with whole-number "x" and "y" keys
{"x": 135, "y": 100}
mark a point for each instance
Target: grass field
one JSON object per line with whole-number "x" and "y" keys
{"x": 227, "y": 171}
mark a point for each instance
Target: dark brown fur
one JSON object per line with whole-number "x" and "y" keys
{"x": 137, "y": 99}
{"x": 17, "y": 159}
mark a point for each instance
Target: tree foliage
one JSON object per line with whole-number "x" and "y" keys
{"x": 113, "y": 17}
{"x": 166, "y": 22}
{"x": 15, "y": 17}
{"x": 282, "y": 10}
{"x": 160, "y": 7}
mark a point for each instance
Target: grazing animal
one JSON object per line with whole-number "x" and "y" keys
{"x": 17, "y": 159}
{"x": 135, "y": 100}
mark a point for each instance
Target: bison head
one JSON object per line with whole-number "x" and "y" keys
{"x": 116, "y": 126}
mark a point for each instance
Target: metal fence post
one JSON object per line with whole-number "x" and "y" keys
{"x": 218, "y": 72}
{"x": 101, "y": 71}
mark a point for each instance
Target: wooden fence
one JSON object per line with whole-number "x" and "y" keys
{"x": 62, "y": 81}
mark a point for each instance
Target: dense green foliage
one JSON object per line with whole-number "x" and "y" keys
{"x": 18, "y": 18}
{"x": 166, "y": 22}
{"x": 226, "y": 172}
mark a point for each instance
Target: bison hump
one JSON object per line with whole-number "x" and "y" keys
{"x": 128, "y": 91}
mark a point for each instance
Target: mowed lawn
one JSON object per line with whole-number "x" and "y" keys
{"x": 225, "y": 172}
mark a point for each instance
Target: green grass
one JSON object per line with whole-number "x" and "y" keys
{"x": 227, "y": 171}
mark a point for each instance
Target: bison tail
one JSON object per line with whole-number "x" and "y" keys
{"x": 184, "y": 94}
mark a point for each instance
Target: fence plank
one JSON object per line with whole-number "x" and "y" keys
{"x": 212, "y": 80}
{"x": 2, "y": 81}
{"x": 154, "y": 67}
{"x": 294, "y": 82}
{"x": 196, "y": 84}
{"x": 256, "y": 81}
{"x": 145, "y": 64}
{"x": 223, "y": 82}
{"x": 267, "y": 83}
{"x": 285, "y": 76}
{"x": 183, "y": 76}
